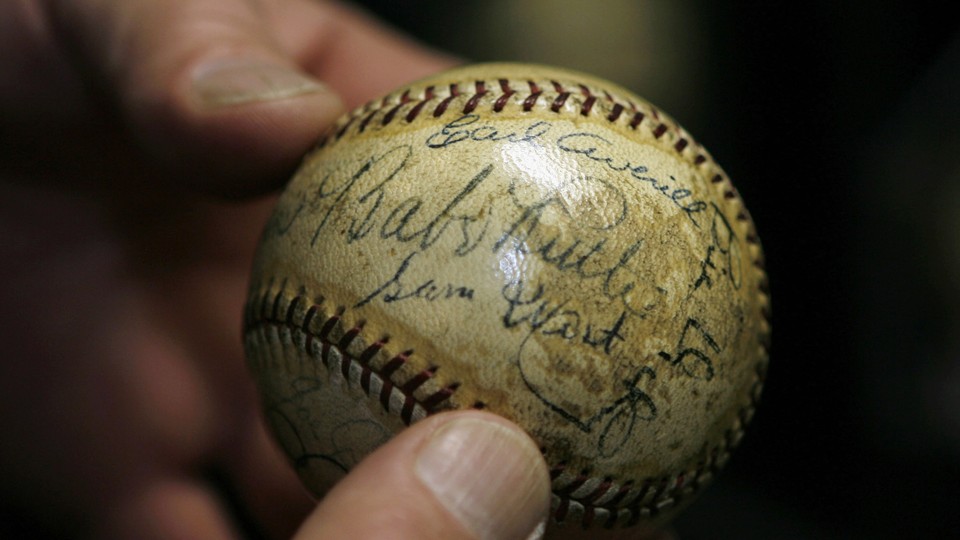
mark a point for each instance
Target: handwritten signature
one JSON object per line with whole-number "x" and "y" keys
{"x": 530, "y": 309}
{"x": 548, "y": 317}
{"x": 469, "y": 128}
{"x": 599, "y": 149}
{"x": 694, "y": 351}
{"x": 724, "y": 246}
{"x": 396, "y": 289}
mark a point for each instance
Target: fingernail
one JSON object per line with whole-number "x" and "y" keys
{"x": 488, "y": 476}
{"x": 232, "y": 81}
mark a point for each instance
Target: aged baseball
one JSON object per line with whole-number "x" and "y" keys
{"x": 526, "y": 240}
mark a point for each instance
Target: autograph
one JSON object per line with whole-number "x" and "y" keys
{"x": 724, "y": 249}
{"x": 469, "y": 128}
{"x": 594, "y": 244}
{"x": 396, "y": 289}
{"x": 539, "y": 316}
{"x": 597, "y": 149}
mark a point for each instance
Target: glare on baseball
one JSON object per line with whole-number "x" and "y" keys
{"x": 525, "y": 240}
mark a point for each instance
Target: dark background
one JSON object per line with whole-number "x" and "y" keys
{"x": 839, "y": 121}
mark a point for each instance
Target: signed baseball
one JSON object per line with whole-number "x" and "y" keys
{"x": 526, "y": 240}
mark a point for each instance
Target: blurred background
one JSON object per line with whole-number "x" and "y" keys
{"x": 839, "y": 121}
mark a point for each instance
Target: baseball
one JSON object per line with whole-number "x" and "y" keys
{"x": 526, "y": 240}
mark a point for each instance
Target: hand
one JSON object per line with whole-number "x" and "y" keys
{"x": 125, "y": 407}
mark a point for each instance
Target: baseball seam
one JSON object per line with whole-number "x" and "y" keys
{"x": 343, "y": 350}
{"x": 577, "y": 494}
{"x": 321, "y": 335}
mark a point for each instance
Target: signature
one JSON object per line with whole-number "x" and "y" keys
{"x": 587, "y": 255}
{"x": 410, "y": 220}
{"x": 598, "y": 149}
{"x": 530, "y": 309}
{"x": 724, "y": 249}
{"x": 396, "y": 289}
{"x": 469, "y": 128}
{"x": 694, "y": 349}
{"x": 556, "y": 318}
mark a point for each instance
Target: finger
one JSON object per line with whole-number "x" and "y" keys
{"x": 168, "y": 508}
{"x": 452, "y": 476}
{"x": 265, "y": 481}
{"x": 202, "y": 84}
{"x": 37, "y": 79}
{"x": 359, "y": 57}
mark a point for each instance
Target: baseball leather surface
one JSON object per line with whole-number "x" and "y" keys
{"x": 534, "y": 242}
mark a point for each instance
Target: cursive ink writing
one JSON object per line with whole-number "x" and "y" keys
{"x": 396, "y": 290}
{"x": 408, "y": 221}
{"x": 583, "y": 258}
{"x": 378, "y": 169}
{"x": 597, "y": 149}
{"x": 693, "y": 352}
{"x": 725, "y": 246}
{"x": 555, "y": 318}
{"x": 530, "y": 309}
{"x": 469, "y": 128}
{"x": 622, "y": 415}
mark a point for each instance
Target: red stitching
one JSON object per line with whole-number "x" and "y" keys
{"x": 560, "y": 514}
{"x": 388, "y": 117}
{"x": 615, "y": 113}
{"x": 503, "y": 99}
{"x": 268, "y": 315}
{"x": 588, "y": 516}
{"x": 442, "y": 106}
{"x": 440, "y": 396}
{"x": 588, "y": 102}
{"x": 587, "y": 105}
{"x": 573, "y": 486}
{"x": 474, "y": 100}
{"x": 531, "y": 100}
{"x": 599, "y": 491}
{"x": 559, "y": 101}
{"x": 417, "y": 380}
{"x": 394, "y": 364}
{"x": 343, "y": 129}
{"x": 415, "y": 111}
{"x": 624, "y": 490}
{"x": 366, "y": 120}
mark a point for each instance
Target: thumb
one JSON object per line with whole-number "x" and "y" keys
{"x": 463, "y": 475}
{"x": 202, "y": 85}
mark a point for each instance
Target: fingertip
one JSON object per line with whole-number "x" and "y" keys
{"x": 225, "y": 82}
{"x": 488, "y": 474}
{"x": 456, "y": 475}
{"x": 235, "y": 126}
{"x": 202, "y": 88}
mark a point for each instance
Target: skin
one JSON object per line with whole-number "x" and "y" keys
{"x": 127, "y": 225}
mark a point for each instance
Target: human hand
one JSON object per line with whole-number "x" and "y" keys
{"x": 125, "y": 407}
